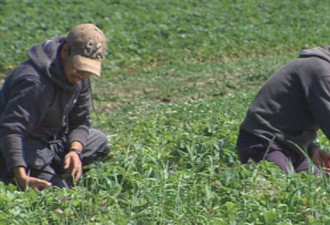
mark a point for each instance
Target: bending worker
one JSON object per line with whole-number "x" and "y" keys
{"x": 282, "y": 123}
{"x": 45, "y": 134}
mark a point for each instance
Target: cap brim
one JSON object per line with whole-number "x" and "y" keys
{"x": 86, "y": 64}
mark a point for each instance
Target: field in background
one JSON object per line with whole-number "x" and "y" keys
{"x": 176, "y": 84}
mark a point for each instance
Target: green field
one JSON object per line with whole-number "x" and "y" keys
{"x": 175, "y": 87}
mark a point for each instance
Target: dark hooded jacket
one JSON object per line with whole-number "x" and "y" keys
{"x": 294, "y": 103}
{"x": 36, "y": 101}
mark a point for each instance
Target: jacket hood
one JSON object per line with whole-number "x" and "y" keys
{"x": 323, "y": 53}
{"x": 46, "y": 58}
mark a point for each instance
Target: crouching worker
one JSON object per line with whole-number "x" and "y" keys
{"x": 45, "y": 134}
{"x": 282, "y": 122}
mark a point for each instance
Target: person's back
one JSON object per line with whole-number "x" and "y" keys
{"x": 291, "y": 106}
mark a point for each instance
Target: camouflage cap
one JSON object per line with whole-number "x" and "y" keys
{"x": 88, "y": 47}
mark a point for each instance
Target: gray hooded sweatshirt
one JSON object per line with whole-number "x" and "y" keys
{"x": 294, "y": 103}
{"x": 36, "y": 101}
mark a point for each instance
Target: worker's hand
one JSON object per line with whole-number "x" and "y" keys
{"x": 25, "y": 181}
{"x": 35, "y": 183}
{"x": 321, "y": 158}
{"x": 73, "y": 164}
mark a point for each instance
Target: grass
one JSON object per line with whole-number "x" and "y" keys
{"x": 176, "y": 84}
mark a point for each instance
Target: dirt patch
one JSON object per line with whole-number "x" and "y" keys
{"x": 200, "y": 83}
{"x": 108, "y": 107}
{"x": 131, "y": 93}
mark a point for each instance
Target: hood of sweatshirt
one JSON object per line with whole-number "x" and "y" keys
{"x": 323, "y": 53}
{"x": 45, "y": 57}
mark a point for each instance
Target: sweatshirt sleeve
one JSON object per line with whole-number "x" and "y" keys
{"x": 21, "y": 113}
{"x": 79, "y": 117}
{"x": 319, "y": 102}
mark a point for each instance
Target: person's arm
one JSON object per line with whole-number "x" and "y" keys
{"x": 79, "y": 125}
{"x": 79, "y": 116}
{"x": 318, "y": 99}
{"x": 21, "y": 113}
{"x": 24, "y": 180}
{"x": 319, "y": 102}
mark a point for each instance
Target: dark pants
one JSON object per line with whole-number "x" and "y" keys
{"x": 46, "y": 160}
{"x": 252, "y": 147}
